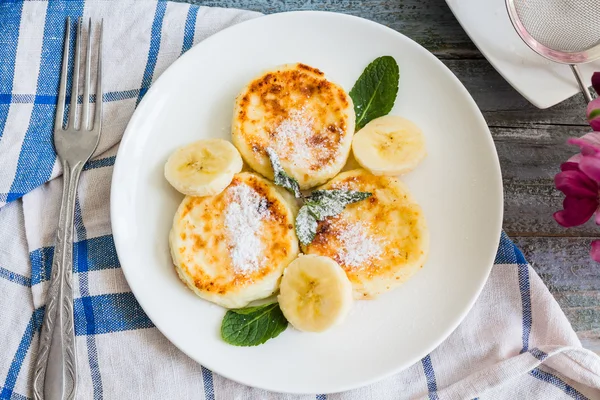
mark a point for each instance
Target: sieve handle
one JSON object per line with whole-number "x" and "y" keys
{"x": 582, "y": 86}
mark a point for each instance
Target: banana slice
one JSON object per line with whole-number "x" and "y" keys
{"x": 389, "y": 145}
{"x": 315, "y": 293}
{"x": 203, "y": 168}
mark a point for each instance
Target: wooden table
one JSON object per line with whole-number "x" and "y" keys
{"x": 530, "y": 143}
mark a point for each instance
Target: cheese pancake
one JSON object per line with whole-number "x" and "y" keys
{"x": 306, "y": 119}
{"x": 232, "y": 248}
{"x": 380, "y": 242}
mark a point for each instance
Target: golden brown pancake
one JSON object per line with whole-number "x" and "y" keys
{"x": 306, "y": 119}
{"x": 232, "y": 248}
{"x": 380, "y": 242}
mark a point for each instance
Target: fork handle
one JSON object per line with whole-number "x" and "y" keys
{"x": 55, "y": 374}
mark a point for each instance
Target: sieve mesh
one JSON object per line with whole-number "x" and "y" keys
{"x": 569, "y": 26}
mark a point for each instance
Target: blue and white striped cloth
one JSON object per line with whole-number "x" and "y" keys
{"x": 515, "y": 342}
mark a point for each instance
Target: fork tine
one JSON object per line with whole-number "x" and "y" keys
{"x": 86, "y": 86}
{"x": 75, "y": 84}
{"x": 99, "y": 99}
{"x": 62, "y": 89}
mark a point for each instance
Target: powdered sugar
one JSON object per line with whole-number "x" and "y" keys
{"x": 292, "y": 137}
{"x": 347, "y": 184}
{"x": 356, "y": 246}
{"x": 244, "y": 217}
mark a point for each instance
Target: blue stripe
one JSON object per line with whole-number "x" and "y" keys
{"x": 321, "y": 397}
{"x": 121, "y": 95}
{"x": 14, "y": 277}
{"x": 26, "y": 99}
{"x": 37, "y": 153}
{"x": 114, "y": 312}
{"x": 10, "y": 196}
{"x": 207, "y": 379}
{"x": 10, "y": 21}
{"x": 506, "y": 251}
{"x": 537, "y": 353}
{"x": 41, "y": 264}
{"x": 52, "y": 99}
{"x": 430, "y": 377}
{"x": 17, "y": 362}
{"x": 100, "y": 163}
{"x": 523, "y": 272}
{"x": 88, "y": 309}
{"x": 101, "y": 255}
{"x": 190, "y": 28}
{"x": 14, "y": 396}
{"x": 518, "y": 255}
{"x": 155, "y": 36}
{"x": 559, "y": 383}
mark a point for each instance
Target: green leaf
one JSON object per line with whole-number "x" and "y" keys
{"x": 375, "y": 90}
{"x": 320, "y": 205}
{"x": 344, "y": 197}
{"x": 306, "y": 225}
{"x": 327, "y": 203}
{"x": 252, "y": 326}
{"x": 280, "y": 177}
{"x": 249, "y": 310}
{"x": 324, "y": 208}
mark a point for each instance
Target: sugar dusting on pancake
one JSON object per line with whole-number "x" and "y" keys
{"x": 244, "y": 218}
{"x": 232, "y": 248}
{"x": 293, "y": 139}
{"x": 380, "y": 242}
{"x": 305, "y": 118}
{"x": 358, "y": 247}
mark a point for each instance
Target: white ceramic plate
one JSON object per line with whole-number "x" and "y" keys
{"x": 542, "y": 82}
{"x": 459, "y": 186}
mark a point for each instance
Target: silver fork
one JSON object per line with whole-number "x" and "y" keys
{"x": 55, "y": 374}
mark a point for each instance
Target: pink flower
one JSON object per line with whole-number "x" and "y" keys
{"x": 596, "y": 82}
{"x": 579, "y": 180}
{"x": 593, "y": 113}
{"x": 593, "y": 108}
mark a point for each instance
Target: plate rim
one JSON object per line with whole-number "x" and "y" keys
{"x": 129, "y": 133}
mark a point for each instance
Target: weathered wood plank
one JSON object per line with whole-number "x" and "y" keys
{"x": 504, "y": 106}
{"x": 573, "y": 278}
{"x": 562, "y": 263}
{"x": 529, "y": 158}
{"x": 536, "y": 152}
{"x": 529, "y": 206}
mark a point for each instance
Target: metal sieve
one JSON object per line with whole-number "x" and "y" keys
{"x": 563, "y": 31}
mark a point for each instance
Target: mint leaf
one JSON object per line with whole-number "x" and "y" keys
{"x": 252, "y": 326}
{"x": 327, "y": 203}
{"x": 280, "y": 177}
{"x": 344, "y": 197}
{"x": 306, "y": 225}
{"x": 320, "y": 205}
{"x": 375, "y": 90}
{"x": 324, "y": 208}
